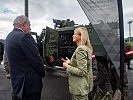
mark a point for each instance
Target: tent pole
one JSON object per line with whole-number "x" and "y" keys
{"x": 120, "y": 10}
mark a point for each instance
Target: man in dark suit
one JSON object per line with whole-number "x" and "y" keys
{"x": 26, "y": 65}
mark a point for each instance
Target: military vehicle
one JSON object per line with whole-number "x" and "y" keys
{"x": 57, "y": 43}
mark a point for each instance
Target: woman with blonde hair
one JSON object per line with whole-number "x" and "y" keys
{"x": 80, "y": 66}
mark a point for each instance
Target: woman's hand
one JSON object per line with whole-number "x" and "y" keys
{"x": 65, "y": 62}
{"x": 94, "y": 77}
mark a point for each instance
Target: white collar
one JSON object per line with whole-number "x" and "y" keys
{"x": 19, "y": 29}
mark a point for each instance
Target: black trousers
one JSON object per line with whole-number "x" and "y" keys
{"x": 128, "y": 64}
{"x": 36, "y": 96}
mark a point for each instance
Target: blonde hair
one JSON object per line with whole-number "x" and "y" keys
{"x": 85, "y": 40}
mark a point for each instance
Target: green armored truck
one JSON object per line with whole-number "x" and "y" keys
{"x": 57, "y": 43}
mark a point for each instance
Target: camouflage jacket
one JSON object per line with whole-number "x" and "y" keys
{"x": 6, "y": 65}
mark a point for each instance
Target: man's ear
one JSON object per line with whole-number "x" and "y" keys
{"x": 24, "y": 24}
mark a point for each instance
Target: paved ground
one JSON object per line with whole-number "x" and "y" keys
{"x": 55, "y": 87}
{"x": 130, "y": 83}
{"x": 5, "y": 87}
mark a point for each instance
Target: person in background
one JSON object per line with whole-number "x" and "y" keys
{"x": 8, "y": 76}
{"x": 80, "y": 66}
{"x": 1, "y": 51}
{"x": 25, "y": 62}
{"x": 128, "y": 56}
{"x": 6, "y": 66}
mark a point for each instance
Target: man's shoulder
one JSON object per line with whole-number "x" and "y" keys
{"x": 27, "y": 37}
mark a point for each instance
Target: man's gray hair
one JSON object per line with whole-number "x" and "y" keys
{"x": 20, "y": 20}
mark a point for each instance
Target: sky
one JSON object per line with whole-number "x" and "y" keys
{"x": 41, "y": 13}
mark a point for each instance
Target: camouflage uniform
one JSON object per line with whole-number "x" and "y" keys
{"x": 108, "y": 80}
{"x": 102, "y": 87}
{"x": 95, "y": 71}
{"x": 125, "y": 86}
{"x": 1, "y": 51}
{"x": 6, "y": 65}
{"x": 116, "y": 83}
{"x": 103, "y": 83}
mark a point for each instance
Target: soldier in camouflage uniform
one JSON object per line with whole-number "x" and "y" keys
{"x": 94, "y": 68}
{"x": 1, "y": 51}
{"x": 109, "y": 81}
{"x": 127, "y": 46}
{"x": 115, "y": 79}
{"x": 102, "y": 88}
{"x": 116, "y": 82}
{"x": 6, "y": 66}
{"x": 125, "y": 85}
{"x": 102, "y": 83}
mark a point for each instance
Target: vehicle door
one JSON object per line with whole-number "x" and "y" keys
{"x": 50, "y": 47}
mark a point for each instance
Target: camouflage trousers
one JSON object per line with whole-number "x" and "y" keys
{"x": 98, "y": 94}
{"x": 79, "y": 97}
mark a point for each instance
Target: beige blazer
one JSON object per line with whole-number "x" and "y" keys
{"x": 80, "y": 71}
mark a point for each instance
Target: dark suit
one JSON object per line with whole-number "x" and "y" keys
{"x": 26, "y": 65}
